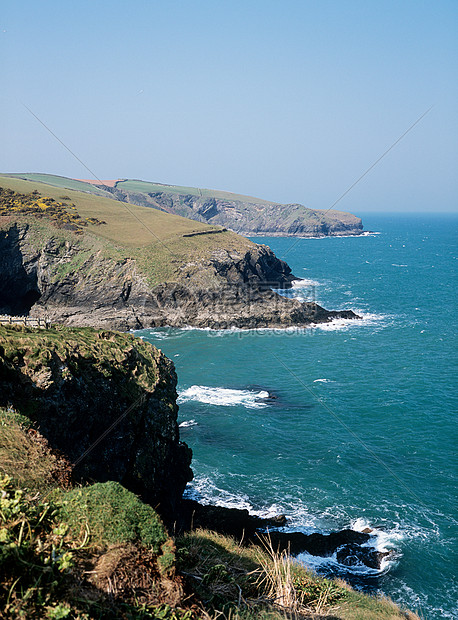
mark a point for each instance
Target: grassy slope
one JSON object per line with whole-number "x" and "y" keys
{"x": 133, "y": 185}
{"x": 97, "y": 550}
{"x": 62, "y": 182}
{"x": 153, "y": 238}
{"x": 139, "y": 186}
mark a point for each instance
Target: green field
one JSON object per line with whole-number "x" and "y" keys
{"x": 126, "y": 224}
{"x": 62, "y": 182}
{"x": 158, "y": 241}
{"x": 146, "y": 187}
{"x": 132, "y": 185}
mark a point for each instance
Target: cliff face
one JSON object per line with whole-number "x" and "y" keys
{"x": 71, "y": 282}
{"x": 246, "y": 217}
{"x": 106, "y": 400}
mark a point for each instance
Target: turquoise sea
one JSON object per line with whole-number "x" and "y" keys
{"x": 351, "y": 424}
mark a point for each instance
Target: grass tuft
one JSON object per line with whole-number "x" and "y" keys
{"x": 115, "y": 515}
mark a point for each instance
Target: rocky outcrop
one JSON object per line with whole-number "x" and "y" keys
{"x": 244, "y": 215}
{"x": 68, "y": 281}
{"x": 352, "y": 548}
{"x": 105, "y": 400}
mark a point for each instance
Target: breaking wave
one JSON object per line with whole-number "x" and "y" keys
{"x": 224, "y": 397}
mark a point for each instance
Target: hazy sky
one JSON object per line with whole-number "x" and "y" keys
{"x": 286, "y": 100}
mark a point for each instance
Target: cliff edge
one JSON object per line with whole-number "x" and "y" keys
{"x": 86, "y": 260}
{"x": 106, "y": 400}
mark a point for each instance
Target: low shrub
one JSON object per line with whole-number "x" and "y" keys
{"x": 114, "y": 515}
{"x": 35, "y": 553}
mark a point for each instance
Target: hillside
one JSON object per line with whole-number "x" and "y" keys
{"x": 91, "y": 475}
{"x": 245, "y": 215}
{"x": 87, "y": 260}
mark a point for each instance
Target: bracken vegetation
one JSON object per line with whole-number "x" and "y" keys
{"x": 61, "y": 214}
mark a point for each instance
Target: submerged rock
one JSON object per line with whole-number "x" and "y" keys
{"x": 354, "y": 555}
{"x": 246, "y": 528}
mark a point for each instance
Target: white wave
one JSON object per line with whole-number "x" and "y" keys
{"x": 204, "y": 490}
{"x": 384, "y": 540}
{"x": 381, "y": 540}
{"x": 366, "y": 233}
{"x": 224, "y": 396}
{"x": 155, "y": 334}
{"x": 397, "y": 265}
{"x": 320, "y": 563}
{"x": 303, "y": 283}
{"x": 323, "y": 381}
{"x": 187, "y": 423}
{"x": 368, "y": 319}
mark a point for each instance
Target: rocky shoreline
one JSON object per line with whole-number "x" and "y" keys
{"x": 352, "y": 548}
{"x": 77, "y": 386}
{"x": 67, "y": 282}
{"x": 246, "y": 215}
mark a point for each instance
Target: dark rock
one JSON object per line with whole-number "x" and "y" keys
{"x": 105, "y": 400}
{"x": 316, "y": 544}
{"x": 248, "y": 529}
{"x": 229, "y": 521}
{"x": 353, "y": 555}
{"x": 67, "y": 282}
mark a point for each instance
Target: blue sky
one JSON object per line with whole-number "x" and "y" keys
{"x": 289, "y": 101}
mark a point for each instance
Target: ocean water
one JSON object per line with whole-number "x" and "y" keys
{"x": 351, "y": 424}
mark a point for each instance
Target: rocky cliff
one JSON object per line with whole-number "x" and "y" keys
{"x": 244, "y": 215}
{"x": 86, "y": 260}
{"x": 69, "y": 280}
{"x": 104, "y": 399}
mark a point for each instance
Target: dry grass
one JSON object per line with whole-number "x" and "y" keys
{"x": 234, "y": 582}
{"x": 26, "y": 456}
{"x": 276, "y": 580}
{"x": 127, "y": 225}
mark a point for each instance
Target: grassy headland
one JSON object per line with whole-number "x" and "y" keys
{"x": 245, "y": 215}
{"x": 98, "y": 552}
{"x": 94, "y": 549}
{"x": 158, "y": 241}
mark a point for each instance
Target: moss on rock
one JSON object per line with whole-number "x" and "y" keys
{"x": 106, "y": 400}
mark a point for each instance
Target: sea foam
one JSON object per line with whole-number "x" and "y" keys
{"x": 224, "y": 396}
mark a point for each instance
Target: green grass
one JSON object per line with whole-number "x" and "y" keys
{"x": 52, "y": 568}
{"x": 126, "y": 225}
{"x": 148, "y": 187}
{"x": 254, "y": 582}
{"x": 84, "y": 350}
{"x": 113, "y": 515}
{"x": 57, "y": 181}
